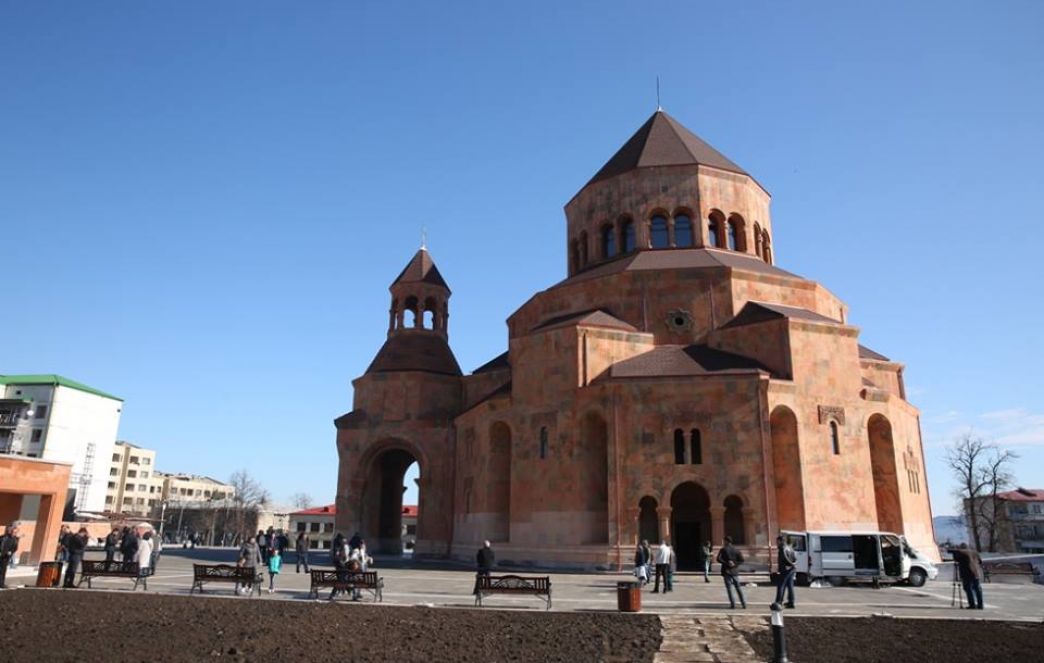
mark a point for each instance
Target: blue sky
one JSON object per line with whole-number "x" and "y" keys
{"x": 204, "y": 203}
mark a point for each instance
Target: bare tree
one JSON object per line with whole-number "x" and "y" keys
{"x": 250, "y": 494}
{"x": 301, "y": 501}
{"x": 981, "y": 469}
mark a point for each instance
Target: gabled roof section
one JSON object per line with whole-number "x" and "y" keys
{"x": 53, "y": 380}
{"x": 684, "y": 360}
{"x": 867, "y": 353}
{"x": 663, "y": 141}
{"x": 590, "y": 318}
{"x": 497, "y": 363}
{"x": 755, "y": 312}
{"x": 421, "y": 269}
{"x": 415, "y": 351}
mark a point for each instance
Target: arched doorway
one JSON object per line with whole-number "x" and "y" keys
{"x": 648, "y": 523}
{"x": 690, "y": 523}
{"x": 500, "y": 481}
{"x": 593, "y": 479}
{"x": 734, "y": 526}
{"x": 886, "y": 480}
{"x": 381, "y": 512}
{"x": 786, "y": 469}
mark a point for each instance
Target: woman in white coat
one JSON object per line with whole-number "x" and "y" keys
{"x": 144, "y": 554}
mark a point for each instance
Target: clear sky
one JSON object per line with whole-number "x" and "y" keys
{"x": 204, "y": 203}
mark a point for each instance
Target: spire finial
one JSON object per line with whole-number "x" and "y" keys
{"x": 658, "y": 106}
{"x": 424, "y": 238}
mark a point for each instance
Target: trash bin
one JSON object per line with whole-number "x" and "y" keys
{"x": 629, "y": 596}
{"x": 49, "y": 575}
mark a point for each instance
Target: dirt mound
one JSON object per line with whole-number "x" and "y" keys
{"x": 109, "y": 627}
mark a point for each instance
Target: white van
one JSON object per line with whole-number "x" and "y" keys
{"x": 839, "y": 557}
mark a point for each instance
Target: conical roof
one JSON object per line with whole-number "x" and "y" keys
{"x": 663, "y": 141}
{"x": 421, "y": 269}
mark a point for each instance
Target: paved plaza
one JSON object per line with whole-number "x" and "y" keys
{"x": 442, "y": 587}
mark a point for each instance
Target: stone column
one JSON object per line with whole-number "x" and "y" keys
{"x": 664, "y": 514}
{"x": 717, "y": 514}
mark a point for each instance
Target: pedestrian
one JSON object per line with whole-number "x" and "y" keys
{"x": 262, "y": 545}
{"x": 275, "y": 564}
{"x": 355, "y": 541}
{"x": 648, "y": 559}
{"x": 708, "y": 553}
{"x": 75, "y": 546}
{"x": 786, "y": 560}
{"x": 339, "y": 553}
{"x": 730, "y": 560}
{"x": 672, "y": 566}
{"x": 337, "y": 547}
{"x": 8, "y": 550}
{"x": 250, "y": 558}
{"x": 485, "y": 560}
{"x": 641, "y": 565}
{"x": 359, "y": 562}
{"x": 112, "y": 540}
{"x": 129, "y": 545}
{"x": 143, "y": 558}
{"x": 301, "y": 547}
{"x": 157, "y": 548}
{"x": 969, "y": 567}
{"x": 62, "y": 553}
{"x": 663, "y": 567}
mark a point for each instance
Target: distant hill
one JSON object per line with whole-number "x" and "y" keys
{"x": 950, "y": 529}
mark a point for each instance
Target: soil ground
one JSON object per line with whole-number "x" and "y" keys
{"x": 868, "y": 639}
{"x": 110, "y": 627}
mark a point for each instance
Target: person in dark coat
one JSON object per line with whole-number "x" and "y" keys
{"x": 485, "y": 560}
{"x": 301, "y": 547}
{"x": 730, "y": 560}
{"x": 355, "y": 541}
{"x": 786, "y": 562}
{"x": 75, "y": 546}
{"x": 112, "y": 540}
{"x": 969, "y": 566}
{"x": 8, "y": 549}
{"x": 62, "y": 553}
{"x": 129, "y": 545}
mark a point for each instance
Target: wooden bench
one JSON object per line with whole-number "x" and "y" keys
{"x": 539, "y": 586}
{"x": 347, "y": 580}
{"x": 101, "y": 569}
{"x": 999, "y": 567}
{"x": 240, "y": 575}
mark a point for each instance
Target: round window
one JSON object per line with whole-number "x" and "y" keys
{"x": 679, "y": 321}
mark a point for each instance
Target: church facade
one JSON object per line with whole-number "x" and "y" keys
{"x": 677, "y": 384}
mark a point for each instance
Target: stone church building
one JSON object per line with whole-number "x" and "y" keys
{"x": 676, "y": 384}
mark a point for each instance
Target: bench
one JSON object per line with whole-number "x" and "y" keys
{"x": 992, "y": 568}
{"x": 240, "y": 575}
{"x": 539, "y": 586}
{"x": 347, "y": 580}
{"x": 90, "y": 569}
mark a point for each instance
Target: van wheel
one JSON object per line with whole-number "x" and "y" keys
{"x": 835, "y": 581}
{"x": 917, "y": 577}
{"x": 801, "y": 579}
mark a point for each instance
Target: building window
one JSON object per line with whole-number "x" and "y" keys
{"x": 141, "y": 488}
{"x": 328, "y": 527}
{"x": 835, "y": 439}
{"x": 146, "y": 461}
{"x": 757, "y": 240}
{"x": 731, "y": 234}
{"x": 133, "y": 474}
{"x": 116, "y": 458}
{"x": 108, "y": 499}
{"x": 113, "y": 472}
{"x": 627, "y": 236}
{"x": 682, "y": 231}
{"x": 696, "y": 447}
{"x": 112, "y": 484}
{"x": 301, "y": 527}
{"x": 679, "y": 446}
{"x": 141, "y": 500}
{"x": 608, "y": 242}
{"x": 712, "y": 232}
{"x": 543, "y": 442}
{"x": 127, "y": 501}
{"x": 37, "y": 435}
{"x": 314, "y": 527}
{"x": 134, "y": 460}
{"x": 129, "y": 487}
{"x": 41, "y": 411}
{"x": 658, "y": 236}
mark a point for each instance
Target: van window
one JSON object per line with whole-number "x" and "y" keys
{"x": 837, "y": 544}
{"x": 796, "y": 542}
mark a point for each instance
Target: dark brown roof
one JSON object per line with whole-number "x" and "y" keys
{"x": 495, "y": 364}
{"x": 415, "y": 350}
{"x": 680, "y": 360}
{"x": 353, "y": 419}
{"x": 867, "y": 353}
{"x": 661, "y": 259}
{"x": 421, "y": 269}
{"x": 755, "y": 312}
{"x": 663, "y": 141}
{"x": 589, "y": 318}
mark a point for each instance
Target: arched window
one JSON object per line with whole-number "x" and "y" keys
{"x": 430, "y": 314}
{"x": 627, "y": 236}
{"x": 835, "y": 439}
{"x": 583, "y": 248}
{"x": 682, "y": 231}
{"x": 411, "y": 315}
{"x": 732, "y": 230}
{"x": 712, "y": 232}
{"x": 658, "y": 236}
{"x": 543, "y": 442}
{"x": 766, "y": 247}
{"x": 695, "y": 447}
{"x": 736, "y": 229}
{"x": 757, "y": 240}
{"x": 679, "y": 446}
{"x": 608, "y": 242}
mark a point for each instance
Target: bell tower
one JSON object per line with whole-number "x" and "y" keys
{"x": 420, "y": 298}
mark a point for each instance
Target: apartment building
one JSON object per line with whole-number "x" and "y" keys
{"x": 135, "y": 486}
{"x": 194, "y": 488}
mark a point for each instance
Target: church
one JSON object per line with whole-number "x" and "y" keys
{"x": 676, "y": 385}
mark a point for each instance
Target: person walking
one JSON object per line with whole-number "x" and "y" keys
{"x": 275, "y": 565}
{"x": 641, "y": 565}
{"x": 485, "y": 560}
{"x": 663, "y": 567}
{"x": 969, "y": 567}
{"x": 786, "y": 561}
{"x": 250, "y": 558}
{"x": 75, "y": 546}
{"x": 708, "y": 553}
{"x": 262, "y": 545}
{"x": 129, "y": 545}
{"x": 301, "y": 548}
{"x": 8, "y": 550}
{"x": 62, "y": 553}
{"x": 648, "y": 559}
{"x": 112, "y": 540}
{"x": 143, "y": 558}
{"x": 730, "y": 560}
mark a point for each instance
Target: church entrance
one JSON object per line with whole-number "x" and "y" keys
{"x": 382, "y": 508}
{"x": 690, "y": 524}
